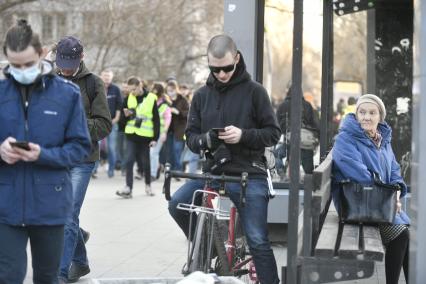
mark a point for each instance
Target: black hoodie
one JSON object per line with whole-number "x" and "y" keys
{"x": 243, "y": 103}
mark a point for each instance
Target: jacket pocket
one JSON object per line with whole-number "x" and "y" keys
{"x": 52, "y": 194}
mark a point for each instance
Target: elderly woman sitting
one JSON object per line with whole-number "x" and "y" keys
{"x": 363, "y": 148}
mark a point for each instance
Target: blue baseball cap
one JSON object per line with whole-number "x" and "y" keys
{"x": 68, "y": 53}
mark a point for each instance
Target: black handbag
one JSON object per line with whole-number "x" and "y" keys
{"x": 368, "y": 204}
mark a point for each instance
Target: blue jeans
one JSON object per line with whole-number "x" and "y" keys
{"x": 46, "y": 248}
{"x": 112, "y": 147}
{"x": 155, "y": 157}
{"x": 174, "y": 151}
{"x": 253, "y": 218}
{"x": 74, "y": 248}
{"x": 191, "y": 158}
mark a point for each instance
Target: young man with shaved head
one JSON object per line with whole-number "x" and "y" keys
{"x": 233, "y": 101}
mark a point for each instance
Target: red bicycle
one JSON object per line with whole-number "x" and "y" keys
{"x": 209, "y": 251}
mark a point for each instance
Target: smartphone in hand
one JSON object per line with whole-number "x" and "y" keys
{"x": 217, "y": 130}
{"x": 21, "y": 144}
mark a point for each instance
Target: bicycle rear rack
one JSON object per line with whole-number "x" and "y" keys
{"x": 192, "y": 207}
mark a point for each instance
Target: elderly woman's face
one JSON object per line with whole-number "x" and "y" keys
{"x": 368, "y": 115}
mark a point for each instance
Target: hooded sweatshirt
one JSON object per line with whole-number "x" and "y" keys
{"x": 240, "y": 102}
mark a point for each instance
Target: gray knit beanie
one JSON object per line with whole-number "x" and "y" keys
{"x": 370, "y": 98}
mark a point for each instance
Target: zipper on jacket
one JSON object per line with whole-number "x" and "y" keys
{"x": 26, "y": 98}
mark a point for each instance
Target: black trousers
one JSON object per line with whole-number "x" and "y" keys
{"x": 137, "y": 151}
{"x": 46, "y": 249}
{"x": 306, "y": 159}
{"x": 397, "y": 255}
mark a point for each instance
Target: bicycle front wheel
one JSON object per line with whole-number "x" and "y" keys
{"x": 199, "y": 249}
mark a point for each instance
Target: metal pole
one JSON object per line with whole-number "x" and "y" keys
{"x": 326, "y": 78}
{"x": 371, "y": 54}
{"x": 296, "y": 115}
{"x": 260, "y": 29}
{"x": 418, "y": 178}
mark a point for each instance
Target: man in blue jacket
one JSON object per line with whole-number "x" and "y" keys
{"x": 43, "y": 133}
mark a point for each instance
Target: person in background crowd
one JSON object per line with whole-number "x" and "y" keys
{"x": 189, "y": 158}
{"x": 350, "y": 108}
{"x": 309, "y": 121}
{"x": 186, "y": 92}
{"x": 70, "y": 64}
{"x": 45, "y": 113}
{"x": 121, "y": 137}
{"x": 114, "y": 103}
{"x": 341, "y": 105}
{"x": 142, "y": 131}
{"x": 163, "y": 104}
{"x": 175, "y": 136}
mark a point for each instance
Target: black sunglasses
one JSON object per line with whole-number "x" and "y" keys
{"x": 226, "y": 69}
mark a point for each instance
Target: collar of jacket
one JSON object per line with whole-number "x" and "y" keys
{"x": 351, "y": 126}
{"x": 240, "y": 75}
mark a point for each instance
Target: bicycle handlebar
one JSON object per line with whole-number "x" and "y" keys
{"x": 168, "y": 174}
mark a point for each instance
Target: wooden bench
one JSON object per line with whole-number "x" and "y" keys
{"x": 334, "y": 251}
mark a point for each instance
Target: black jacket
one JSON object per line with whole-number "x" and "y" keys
{"x": 242, "y": 103}
{"x": 309, "y": 116}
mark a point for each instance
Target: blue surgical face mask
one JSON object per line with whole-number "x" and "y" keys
{"x": 25, "y": 76}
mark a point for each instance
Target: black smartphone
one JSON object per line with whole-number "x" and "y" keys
{"x": 217, "y": 130}
{"x": 21, "y": 144}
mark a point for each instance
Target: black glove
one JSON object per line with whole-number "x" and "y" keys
{"x": 209, "y": 140}
{"x": 221, "y": 156}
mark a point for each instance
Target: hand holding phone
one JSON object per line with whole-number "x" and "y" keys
{"x": 21, "y": 144}
{"x": 217, "y": 130}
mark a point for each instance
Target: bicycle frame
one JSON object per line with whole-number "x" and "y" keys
{"x": 208, "y": 208}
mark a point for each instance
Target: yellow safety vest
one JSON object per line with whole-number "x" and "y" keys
{"x": 143, "y": 111}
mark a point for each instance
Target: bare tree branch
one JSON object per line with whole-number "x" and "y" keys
{"x": 7, "y": 4}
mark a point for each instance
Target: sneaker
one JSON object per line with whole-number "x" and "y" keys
{"x": 125, "y": 192}
{"x": 86, "y": 235}
{"x": 76, "y": 271}
{"x": 148, "y": 190}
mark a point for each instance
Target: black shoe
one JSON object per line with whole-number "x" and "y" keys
{"x": 86, "y": 235}
{"x": 76, "y": 271}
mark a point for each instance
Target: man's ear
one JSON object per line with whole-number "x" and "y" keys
{"x": 238, "y": 58}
